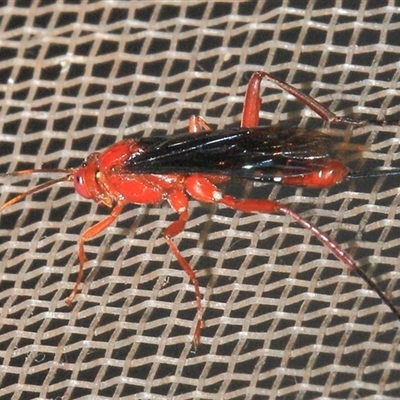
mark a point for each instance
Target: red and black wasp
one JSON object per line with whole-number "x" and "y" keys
{"x": 191, "y": 165}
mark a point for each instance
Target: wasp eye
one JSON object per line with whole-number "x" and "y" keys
{"x": 79, "y": 183}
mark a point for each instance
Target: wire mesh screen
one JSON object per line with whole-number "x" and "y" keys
{"x": 283, "y": 318}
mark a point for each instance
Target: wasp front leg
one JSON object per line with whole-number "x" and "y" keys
{"x": 87, "y": 235}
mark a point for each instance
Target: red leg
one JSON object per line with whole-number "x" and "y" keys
{"x": 179, "y": 203}
{"x": 197, "y": 124}
{"x": 174, "y": 229}
{"x": 87, "y": 235}
{"x": 252, "y": 102}
{"x": 267, "y": 206}
{"x": 203, "y": 190}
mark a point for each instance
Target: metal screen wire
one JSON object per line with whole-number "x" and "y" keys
{"x": 283, "y": 318}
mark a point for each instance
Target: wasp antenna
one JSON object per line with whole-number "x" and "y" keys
{"x": 38, "y": 171}
{"x": 37, "y": 188}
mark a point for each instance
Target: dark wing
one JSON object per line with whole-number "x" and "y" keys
{"x": 259, "y": 153}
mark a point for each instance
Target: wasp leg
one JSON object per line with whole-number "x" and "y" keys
{"x": 197, "y": 124}
{"x": 203, "y": 190}
{"x": 179, "y": 203}
{"x": 87, "y": 235}
{"x": 252, "y": 102}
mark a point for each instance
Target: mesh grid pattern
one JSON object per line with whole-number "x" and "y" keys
{"x": 283, "y": 319}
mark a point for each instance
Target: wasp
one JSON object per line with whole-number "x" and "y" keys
{"x": 192, "y": 165}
